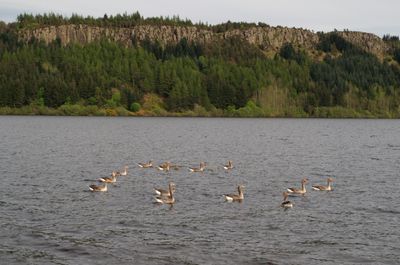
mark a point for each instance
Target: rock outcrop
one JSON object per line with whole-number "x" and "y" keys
{"x": 267, "y": 38}
{"x": 369, "y": 42}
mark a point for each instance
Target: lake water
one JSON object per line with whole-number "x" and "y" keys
{"x": 48, "y": 216}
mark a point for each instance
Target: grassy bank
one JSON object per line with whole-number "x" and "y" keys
{"x": 249, "y": 111}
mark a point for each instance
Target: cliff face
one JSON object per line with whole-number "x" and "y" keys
{"x": 267, "y": 38}
{"x": 369, "y": 42}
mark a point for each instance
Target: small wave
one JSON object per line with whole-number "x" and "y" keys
{"x": 259, "y": 260}
{"x": 393, "y": 147}
{"x": 7, "y": 251}
{"x": 271, "y": 227}
{"x": 377, "y": 210}
{"x": 390, "y": 211}
{"x": 73, "y": 250}
{"x": 90, "y": 180}
{"x": 319, "y": 242}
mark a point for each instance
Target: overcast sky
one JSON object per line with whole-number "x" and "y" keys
{"x": 376, "y": 16}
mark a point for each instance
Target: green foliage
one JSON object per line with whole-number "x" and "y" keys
{"x": 116, "y": 98}
{"x": 234, "y": 25}
{"x": 71, "y": 110}
{"x": 135, "y": 107}
{"x": 331, "y": 42}
{"x": 200, "y": 111}
{"x": 338, "y": 112}
{"x": 250, "y": 110}
{"x": 389, "y": 38}
{"x": 354, "y": 66}
{"x": 153, "y": 105}
{"x": 227, "y": 77}
{"x": 289, "y": 53}
{"x": 92, "y": 101}
{"x": 39, "y": 101}
{"x": 233, "y": 49}
{"x": 396, "y": 55}
{"x": 124, "y": 20}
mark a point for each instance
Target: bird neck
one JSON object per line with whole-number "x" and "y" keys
{"x": 240, "y": 192}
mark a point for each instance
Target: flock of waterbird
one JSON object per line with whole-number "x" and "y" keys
{"x": 302, "y": 191}
{"x": 166, "y": 196}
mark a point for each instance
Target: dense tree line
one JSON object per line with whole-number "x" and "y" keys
{"x": 125, "y": 20}
{"x": 90, "y": 73}
{"x": 228, "y": 75}
{"x": 354, "y": 66}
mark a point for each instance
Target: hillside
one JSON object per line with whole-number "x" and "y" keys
{"x": 266, "y": 38}
{"x": 163, "y": 66}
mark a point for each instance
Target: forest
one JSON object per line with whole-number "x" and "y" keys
{"x": 228, "y": 77}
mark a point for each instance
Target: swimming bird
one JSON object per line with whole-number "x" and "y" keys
{"x": 323, "y": 188}
{"x": 98, "y": 188}
{"x": 167, "y": 199}
{"x": 146, "y": 165}
{"x": 116, "y": 173}
{"x": 175, "y": 167}
{"x": 299, "y": 191}
{"x": 111, "y": 179}
{"x": 286, "y": 203}
{"x": 235, "y": 197}
{"x": 198, "y": 169}
{"x": 229, "y": 165}
{"x": 123, "y": 173}
{"x": 162, "y": 192}
{"x": 164, "y": 166}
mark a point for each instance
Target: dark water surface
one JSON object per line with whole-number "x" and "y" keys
{"x": 47, "y": 215}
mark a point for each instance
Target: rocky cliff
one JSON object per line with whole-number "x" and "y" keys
{"x": 267, "y": 38}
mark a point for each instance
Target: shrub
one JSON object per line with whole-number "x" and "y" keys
{"x": 72, "y": 109}
{"x": 135, "y": 107}
{"x": 123, "y": 112}
{"x": 250, "y": 110}
{"x": 200, "y": 111}
{"x": 111, "y": 112}
{"x": 154, "y": 104}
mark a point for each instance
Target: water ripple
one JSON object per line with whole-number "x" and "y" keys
{"x": 49, "y": 216}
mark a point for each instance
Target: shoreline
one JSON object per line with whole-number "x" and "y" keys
{"x": 94, "y": 111}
